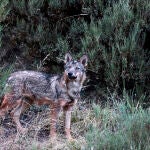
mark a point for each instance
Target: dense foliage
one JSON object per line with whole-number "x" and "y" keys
{"x": 115, "y": 34}
{"x": 36, "y": 35}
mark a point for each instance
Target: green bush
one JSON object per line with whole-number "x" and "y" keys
{"x": 120, "y": 129}
{"x": 37, "y": 34}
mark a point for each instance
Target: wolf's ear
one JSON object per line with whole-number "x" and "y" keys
{"x": 84, "y": 60}
{"x": 68, "y": 57}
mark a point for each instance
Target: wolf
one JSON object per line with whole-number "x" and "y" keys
{"x": 60, "y": 92}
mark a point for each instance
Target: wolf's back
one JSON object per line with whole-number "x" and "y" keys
{"x": 37, "y": 83}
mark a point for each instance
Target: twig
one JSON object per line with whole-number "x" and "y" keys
{"x": 72, "y": 17}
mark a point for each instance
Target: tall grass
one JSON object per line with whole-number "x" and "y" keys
{"x": 3, "y": 77}
{"x": 119, "y": 128}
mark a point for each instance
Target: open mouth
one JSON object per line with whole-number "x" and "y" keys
{"x": 72, "y": 77}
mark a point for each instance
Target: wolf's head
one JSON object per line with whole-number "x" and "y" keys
{"x": 75, "y": 70}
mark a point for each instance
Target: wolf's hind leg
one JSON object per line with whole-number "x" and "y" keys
{"x": 5, "y": 106}
{"x": 17, "y": 111}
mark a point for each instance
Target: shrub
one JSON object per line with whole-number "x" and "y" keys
{"x": 37, "y": 34}
{"x": 119, "y": 129}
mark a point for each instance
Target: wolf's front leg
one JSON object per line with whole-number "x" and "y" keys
{"x": 68, "y": 124}
{"x": 54, "y": 116}
{"x": 68, "y": 109}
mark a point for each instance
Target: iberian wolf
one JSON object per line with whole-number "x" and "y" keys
{"x": 61, "y": 92}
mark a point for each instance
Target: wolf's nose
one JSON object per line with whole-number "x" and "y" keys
{"x": 70, "y": 74}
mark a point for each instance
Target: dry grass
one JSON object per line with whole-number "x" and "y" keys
{"x": 38, "y": 137}
{"x": 94, "y": 127}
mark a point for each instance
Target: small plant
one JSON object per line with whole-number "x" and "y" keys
{"x": 3, "y": 77}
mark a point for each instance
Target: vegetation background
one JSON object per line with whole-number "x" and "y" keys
{"x": 115, "y": 34}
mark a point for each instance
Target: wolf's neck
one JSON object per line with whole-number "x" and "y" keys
{"x": 73, "y": 88}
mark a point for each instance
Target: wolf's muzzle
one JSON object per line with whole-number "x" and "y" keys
{"x": 71, "y": 75}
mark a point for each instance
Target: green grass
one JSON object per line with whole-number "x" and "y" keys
{"x": 3, "y": 77}
{"x": 119, "y": 128}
